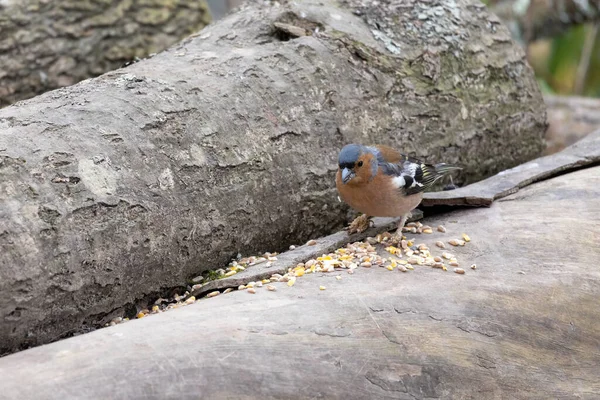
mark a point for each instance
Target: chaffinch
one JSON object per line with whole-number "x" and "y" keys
{"x": 379, "y": 181}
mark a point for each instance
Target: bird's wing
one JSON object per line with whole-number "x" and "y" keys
{"x": 410, "y": 174}
{"x": 389, "y": 154}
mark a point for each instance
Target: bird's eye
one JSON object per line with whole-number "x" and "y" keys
{"x": 360, "y": 163}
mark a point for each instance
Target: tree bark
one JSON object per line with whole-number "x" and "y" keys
{"x": 49, "y": 44}
{"x": 132, "y": 182}
{"x": 523, "y": 325}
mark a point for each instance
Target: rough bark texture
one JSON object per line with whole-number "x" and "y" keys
{"x": 530, "y": 20}
{"x": 134, "y": 181}
{"x": 49, "y": 44}
{"x": 524, "y": 325}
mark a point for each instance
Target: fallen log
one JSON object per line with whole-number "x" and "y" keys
{"x": 49, "y": 44}
{"x": 121, "y": 186}
{"x": 523, "y": 325}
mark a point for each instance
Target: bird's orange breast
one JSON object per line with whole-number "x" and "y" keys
{"x": 377, "y": 197}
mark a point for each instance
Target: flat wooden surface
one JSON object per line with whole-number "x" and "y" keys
{"x": 524, "y": 325}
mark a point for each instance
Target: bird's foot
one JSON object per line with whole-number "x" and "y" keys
{"x": 360, "y": 224}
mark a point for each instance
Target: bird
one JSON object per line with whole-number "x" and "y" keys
{"x": 379, "y": 181}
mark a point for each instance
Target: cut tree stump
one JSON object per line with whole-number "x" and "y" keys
{"x": 120, "y": 187}
{"x": 524, "y": 325}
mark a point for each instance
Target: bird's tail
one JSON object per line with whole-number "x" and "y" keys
{"x": 443, "y": 169}
{"x": 433, "y": 173}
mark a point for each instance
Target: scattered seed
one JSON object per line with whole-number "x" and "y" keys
{"x": 466, "y": 237}
{"x": 311, "y": 242}
{"x": 473, "y": 266}
{"x": 250, "y": 284}
{"x": 447, "y": 256}
{"x": 408, "y": 266}
{"x": 228, "y": 290}
{"x": 266, "y": 281}
{"x": 242, "y": 287}
{"x": 351, "y": 271}
{"x": 414, "y": 260}
{"x": 155, "y": 308}
{"x": 338, "y": 277}
{"x": 423, "y": 247}
{"x": 453, "y": 242}
{"x": 389, "y": 268}
{"x": 427, "y": 230}
{"x": 438, "y": 265}
{"x": 310, "y": 263}
{"x": 292, "y": 247}
{"x": 453, "y": 263}
{"x": 372, "y": 240}
{"x": 271, "y": 288}
{"x": 291, "y": 281}
{"x": 402, "y": 268}
{"x": 259, "y": 284}
{"x": 441, "y": 245}
{"x": 140, "y": 315}
{"x": 366, "y": 264}
{"x": 196, "y": 287}
{"x": 322, "y": 288}
{"x": 459, "y": 270}
{"x": 437, "y": 259}
{"x": 441, "y": 228}
{"x": 521, "y": 273}
{"x": 393, "y": 250}
{"x": 251, "y": 290}
{"x": 213, "y": 294}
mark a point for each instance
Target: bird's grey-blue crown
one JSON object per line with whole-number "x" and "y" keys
{"x": 349, "y": 155}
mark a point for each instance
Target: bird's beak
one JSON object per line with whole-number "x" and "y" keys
{"x": 347, "y": 174}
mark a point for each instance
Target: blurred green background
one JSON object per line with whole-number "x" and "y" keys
{"x": 560, "y": 67}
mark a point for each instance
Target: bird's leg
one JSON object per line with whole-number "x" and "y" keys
{"x": 360, "y": 224}
{"x": 401, "y": 224}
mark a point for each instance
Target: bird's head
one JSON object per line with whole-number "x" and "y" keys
{"x": 357, "y": 164}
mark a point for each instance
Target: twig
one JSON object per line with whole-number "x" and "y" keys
{"x": 584, "y": 63}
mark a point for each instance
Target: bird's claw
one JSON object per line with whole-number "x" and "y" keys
{"x": 360, "y": 224}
